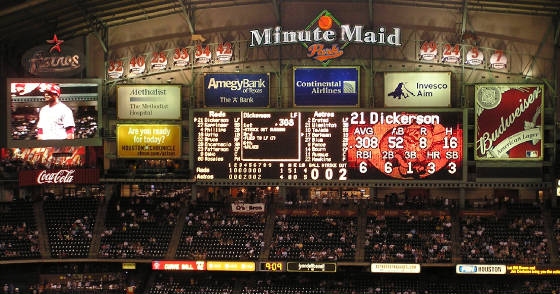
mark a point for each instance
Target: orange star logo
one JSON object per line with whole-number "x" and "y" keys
{"x": 56, "y": 43}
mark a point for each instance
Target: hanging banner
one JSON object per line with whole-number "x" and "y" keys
{"x": 148, "y": 141}
{"x": 236, "y": 90}
{"x": 509, "y": 122}
{"x": 149, "y": 102}
{"x": 417, "y": 89}
{"x": 327, "y": 86}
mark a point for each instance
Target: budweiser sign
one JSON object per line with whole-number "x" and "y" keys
{"x": 63, "y": 176}
{"x": 59, "y": 176}
{"x": 509, "y": 122}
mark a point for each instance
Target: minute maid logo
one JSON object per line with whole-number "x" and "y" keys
{"x": 320, "y": 31}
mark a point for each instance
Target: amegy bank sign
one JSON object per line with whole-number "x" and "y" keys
{"x": 326, "y": 37}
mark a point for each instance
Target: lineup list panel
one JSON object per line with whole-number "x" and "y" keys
{"x": 328, "y": 145}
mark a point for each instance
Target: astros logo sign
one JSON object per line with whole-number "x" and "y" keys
{"x": 322, "y": 30}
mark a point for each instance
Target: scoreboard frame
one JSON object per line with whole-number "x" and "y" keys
{"x": 334, "y": 182}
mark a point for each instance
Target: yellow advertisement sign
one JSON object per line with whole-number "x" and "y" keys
{"x": 129, "y": 265}
{"x": 233, "y": 266}
{"x": 148, "y": 141}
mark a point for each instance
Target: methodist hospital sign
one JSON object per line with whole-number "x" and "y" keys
{"x": 325, "y": 28}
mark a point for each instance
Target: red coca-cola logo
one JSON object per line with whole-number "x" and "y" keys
{"x": 63, "y": 176}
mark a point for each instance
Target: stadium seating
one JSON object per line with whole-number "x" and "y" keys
{"x": 314, "y": 238}
{"x": 408, "y": 238}
{"x": 212, "y": 232}
{"x": 70, "y": 224}
{"x": 19, "y": 237}
{"x": 140, "y": 226}
{"x": 208, "y": 284}
{"x": 516, "y": 236}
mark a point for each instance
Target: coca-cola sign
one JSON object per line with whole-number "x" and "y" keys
{"x": 59, "y": 176}
{"x": 509, "y": 122}
{"x": 63, "y": 176}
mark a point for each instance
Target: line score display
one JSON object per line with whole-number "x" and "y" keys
{"x": 328, "y": 145}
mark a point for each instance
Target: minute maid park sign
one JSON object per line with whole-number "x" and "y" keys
{"x": 325, "y": 28}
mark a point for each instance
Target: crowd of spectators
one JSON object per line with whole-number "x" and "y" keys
{"x": 19, "y": 237}
{"x": 194, "y": 284}
{"x": 141, "y": 226}
{"x": 405, "y": 201}
{"x": 314, "y": 238}
{"x": 100, "y": 283}
{"x": 556, "y": 227}
{"x": 149, "y": 169}
{"x": 213, "y": 232}
{"x": 408, "y": 238}
{"x": 515, "y": 237}
{"x": 86, "y": 122}
{"x": 345, "y": 283}
{"x": 70, "y": 223}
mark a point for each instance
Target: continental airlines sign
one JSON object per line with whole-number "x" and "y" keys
{"x": 325, "y": 28}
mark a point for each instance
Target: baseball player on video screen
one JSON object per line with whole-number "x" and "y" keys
{"x": 56, "y": 121}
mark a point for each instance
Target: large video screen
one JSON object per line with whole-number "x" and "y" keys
{"x": 328, "y": 145}
{"x": 50, "y": 112}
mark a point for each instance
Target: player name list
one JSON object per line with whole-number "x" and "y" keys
{"x": 267, "y": 145}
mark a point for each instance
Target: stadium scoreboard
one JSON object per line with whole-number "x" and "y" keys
{"x": 328, "y": 145}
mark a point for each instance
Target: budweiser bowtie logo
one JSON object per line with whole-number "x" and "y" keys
{"x": 63, "y": 176}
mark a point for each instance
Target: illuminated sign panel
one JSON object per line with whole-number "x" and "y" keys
{"x": 481, "y": 269}
{"x": 537, "y": 270}
{"x": 129, "y": 266}
{"x": 69, "y": 156}
{"x": 509, "y": 122}
{"x": 402, "y": 268}
{"x": 272, "y": 266}
{"x": 174, "y": 265}
{"x": 326, "y": 86}
{"x": 59, "y": 176}
{"x": 53, "y": 112}
{"x": 236, "y": 90}
{"x": 149, "y": 102}
{"x": 148, "y": 141}
{"x": 233, "y": 266}
{"x": 328, "y": 145}
{"x": 417, "y": 89}
{"x": 316, "y": 267}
